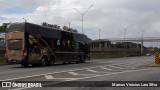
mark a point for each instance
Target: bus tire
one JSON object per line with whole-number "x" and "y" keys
{"x": 82, "y": 59}
{"x": 44, "y": 61}
{"x": 51, "y": 61}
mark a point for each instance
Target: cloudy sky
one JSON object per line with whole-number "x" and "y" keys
{"x": 111, "y": 16}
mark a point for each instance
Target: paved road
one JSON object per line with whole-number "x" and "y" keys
{"x": 118, "y": 69}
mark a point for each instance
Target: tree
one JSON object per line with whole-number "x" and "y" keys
{"x": 75, "y": 30}
{"x": 70, "y": 29}
{"x": 51, "y": 25}
{"x": 4, "y": 27}
{"x": 55, "y": 26}
{"x": 58, "y": 27}
{"x": 65, "y": 27}
{"x": 44, "y": 24}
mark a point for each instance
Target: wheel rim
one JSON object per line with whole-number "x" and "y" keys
{"x": 43, "y": 62}
{"x": 52, "y": 61}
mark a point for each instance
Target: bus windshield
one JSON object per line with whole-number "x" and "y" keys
{"x": 14, "y": 44}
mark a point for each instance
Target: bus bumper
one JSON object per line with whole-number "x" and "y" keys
{"x": 13, "y": 61}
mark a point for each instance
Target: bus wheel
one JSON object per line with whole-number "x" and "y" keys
{"x": 51, "y": 61}
{"x": 82, "y": 59}
{"x": 44, "y": 61}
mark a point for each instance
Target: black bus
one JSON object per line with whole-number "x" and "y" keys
{"x": 28, "y": 43}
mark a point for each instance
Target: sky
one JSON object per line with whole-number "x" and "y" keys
{"x": 112, "y": 17}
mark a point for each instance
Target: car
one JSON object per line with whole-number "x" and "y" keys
{"x": 148, "y": 54}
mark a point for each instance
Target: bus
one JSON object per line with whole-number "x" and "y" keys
{"x": 31, "y": 44}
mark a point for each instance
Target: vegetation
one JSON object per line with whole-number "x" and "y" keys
{"x": 58, "y": 27}
{"x": 3, "y": 27}
{"x": 2, "y": 60}
{"x": 153, "y": 65}
{"x": 106, "y": 55}
{"x": 51, "y": 25}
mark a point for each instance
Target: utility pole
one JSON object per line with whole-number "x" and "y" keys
{"x": 125, "y": 42}
{"x": 125, "y": 29}
{"x": 83, "y": 15}
{"x": 99, "y": 34}
{"x": 142, "y": 42}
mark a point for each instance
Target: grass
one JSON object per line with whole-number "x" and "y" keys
{"x": 153, "y": 65}
{"x": 2, "y": 60}
{"x": 106, "y": 55}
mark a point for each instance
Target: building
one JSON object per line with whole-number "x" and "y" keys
{"x": 100, "y": 44}
{"x": 105, "y": 45}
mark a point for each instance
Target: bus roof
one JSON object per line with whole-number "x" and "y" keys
{"x": 44, "y": 31}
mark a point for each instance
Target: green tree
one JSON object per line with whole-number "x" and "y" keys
{"x": 4, "y": 27}
{"x": 50, "y": 25}
{"x": 65, "y": 27}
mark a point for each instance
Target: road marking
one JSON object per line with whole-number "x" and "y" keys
{"x": 116, "y": 67}
{"x": 105, "y": 68}
{"x": 96, "y": 76}
{"x": 117, "y": 63}
{"x": 73, "y": 73}
{"x": 91, "y": 70}
{"x": 114, "y": 73}
{"x": 66, "y": 79}
{"x": 128, "y": 67}
{"x": 49, "y": 77}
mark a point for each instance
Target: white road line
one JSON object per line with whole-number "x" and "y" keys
{"x": 91, "y": 70}
{"x": 127, "y": 71}
{"x": 73, "y": 73}
{"x": 66, "y": 78}
{"x": 97, "y": 76}
{"x": 130, "y": 67}
{"x": 105, "y": 68}
{"x": 46, "y": 74}
{"x": 116, "y": 67}
{"x": 117, "y": 63}
{"x": 49, "y": 77}
{"x": 136, "y": 63}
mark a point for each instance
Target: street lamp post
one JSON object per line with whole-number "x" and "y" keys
{"x": 83, "y": 15}
{"x": 142, "y": 42}
{"x": 25, "y": 20}
{"x": 125, "y": 42}
{"x": 69, "y": 23}
{"x": 99, "y": 33}
{"x": 125, "y": 29}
